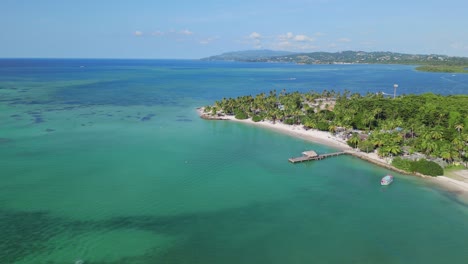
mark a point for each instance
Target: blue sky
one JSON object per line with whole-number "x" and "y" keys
{"x": 195, "y": 29}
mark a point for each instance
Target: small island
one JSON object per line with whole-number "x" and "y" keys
{"x": 414, "y": 134}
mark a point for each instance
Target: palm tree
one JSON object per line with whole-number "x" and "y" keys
{"x": 377, "y": 111}
{"x": 354, "y": 139}
{"x": 346, "y": 119}
{"x": 458, "y": 143}
{"x": 429, "y": 146}
{"x": 310, "y": 123}
{"x": 435, "y": 133}
{"x": 394, "y": 149}
{"x": 448, "y": 152}
{"x": 377, "y": 139}
{"x": 459, "y": 128}
{"x": 383, "y": 151}
{"x": 441, "y": 116}
{"x": 368, "y": 118}
{"x": 297, "y": 114}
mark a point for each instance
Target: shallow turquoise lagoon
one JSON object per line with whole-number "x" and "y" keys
{"x": 109, "y": 163}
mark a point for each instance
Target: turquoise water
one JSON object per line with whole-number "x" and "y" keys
{"x": 109, "y": 163}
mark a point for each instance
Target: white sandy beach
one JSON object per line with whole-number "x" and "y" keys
{"x": 317, "y": 136}
{"x": 326, "y": 138}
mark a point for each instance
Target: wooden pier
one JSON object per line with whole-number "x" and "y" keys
{"x": 312, "y": 155}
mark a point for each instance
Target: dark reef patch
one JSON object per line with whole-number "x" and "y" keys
{"x": 147, "y": 117}
{"x": 5, "y": 140}
{"x": 71, "y": 102}
{"x": 38, "y": 120}
{"x": 24, "y": 233}
{"x": 33, "y": 102}
{"x": 28, "y": 233}
{"x": 119, "y": 93}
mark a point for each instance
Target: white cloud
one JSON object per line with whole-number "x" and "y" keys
{"x": 186, "y": 32}
{"x": 307, "y": 47}
{"x": 157, "y": 33}
{"x": 346, "y": 40}
{"x": 459, "y": 45}
{"x": 207, "y": 41}
{"x": 290, "y": 37}
{"x": 292, "y": 42}
{"x": 255, "y": 39}
{"x": 171, "y": 33}
{"x": 258, "y": 44}
{"x": 303, "y": 38}
{"x": 286, "y": 36}
{"x": 287, "y": 41}
{"x": 284, "y": 45}
{"x": 255, "y": 35}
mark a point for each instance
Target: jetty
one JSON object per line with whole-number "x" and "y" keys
{"x": 312, "y": 155}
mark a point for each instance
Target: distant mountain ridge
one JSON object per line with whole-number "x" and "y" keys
{"x": 343, "y": 57}
{"x": 249, "y": 55}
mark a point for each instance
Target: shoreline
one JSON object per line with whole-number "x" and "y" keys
{"x": 325, "y": 138}
{"x": 316, "y": 136}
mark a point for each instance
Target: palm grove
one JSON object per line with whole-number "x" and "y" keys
{"x": 434, "y": 125}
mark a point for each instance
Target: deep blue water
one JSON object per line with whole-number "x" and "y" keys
{"x": 201, "y": 80}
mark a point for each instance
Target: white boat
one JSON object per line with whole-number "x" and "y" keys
{"x": 386, "y": 180}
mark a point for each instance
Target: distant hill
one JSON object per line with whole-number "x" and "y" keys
{"x": 248, "y": 55}
{"x": 370, "y": 57}
{"x": 432, "y": 62}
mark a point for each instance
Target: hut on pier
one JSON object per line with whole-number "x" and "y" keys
{"x": 310, "y": 154}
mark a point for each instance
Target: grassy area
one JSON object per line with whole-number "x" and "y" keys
{"x": 455, "y": 171}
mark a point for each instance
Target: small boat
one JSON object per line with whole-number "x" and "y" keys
{"x": 386, "y": 180}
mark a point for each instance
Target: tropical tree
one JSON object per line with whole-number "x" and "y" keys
{"x": 377, "y": 139}
{"x": 393, "y": 149}
{"x": 354, "y": 140}
{"x": 368, "y": 118}
{"x": 428, "y": 146}
{"x": 459, "y": 128}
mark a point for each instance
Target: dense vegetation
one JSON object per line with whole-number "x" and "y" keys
{"x": 422, "y": 166}
{"x": 443, "y": 68}
{"x": 431, "y": 124}
{"x": 433, "y": 63}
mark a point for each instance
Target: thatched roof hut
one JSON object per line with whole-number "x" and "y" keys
{"x": 310, "y": 154}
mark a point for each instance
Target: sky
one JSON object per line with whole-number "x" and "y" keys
{"x": 192, "y": 29}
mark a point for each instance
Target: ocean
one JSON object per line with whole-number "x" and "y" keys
{"x": 107, "y": 161}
